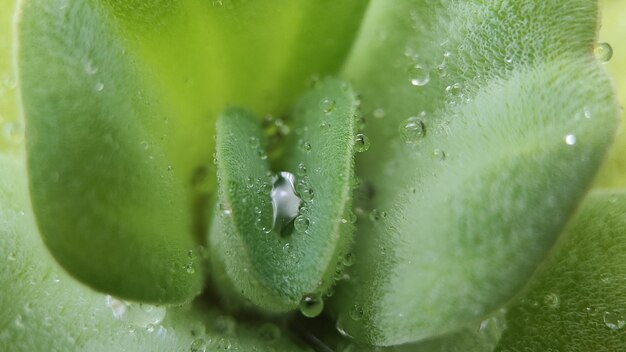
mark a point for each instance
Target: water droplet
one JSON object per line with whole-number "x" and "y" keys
{"x": 357, "y": 312}
{"x": 198, "y": 345}
{"x": 301, "y": 169}
{"x": 218, "y": 3}
{"x": 90, "y": 69}
{"x": 304, "y": 145}
{"x": 379, "y": 113}
{"x": 328, "y": 105}
{"x": 325, "y": 124}
{"x": 269, "y": 332}
{"x": 262, "y": 226}
{"x": 348, "y": 259}
{"x": 285, "y": 201}
{"x": 439, "y": 155}
{"x": 224, "y": 344}
{"x": 254, "y": 142}
{"x": 551, "y": 300}
{"x": 614, "y": 320}
{"x": 190, "y": 268}
{"x": 376, "y": 215}
{"x": 413, "y": 130}
{"x": 604, "y": 52}
{"x": 99, "y": 86}
{"x": 570, "y": 139}
{"x": 311, "y": 305}
{"x": 362, "y": 143}
{"x": 305, "y": 190}
{"x": 454, "y": 90}
{"x": 418, "y": 75}
{"x": 508, "y": 59}
{"x": 262, "y": 154}
{"x": 118, "y": 307}
{"x": 302, "y": 223}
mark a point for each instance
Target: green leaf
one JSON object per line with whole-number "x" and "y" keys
{"x": 120, "y": 99}
{"x": 576, "y": 301}
{"x": 467, "y": 197}
{"x": 44, "y": 309}
{"x": 109, "y": 200}
{"x": 274, "y": 268}
{"x": 613, "y": 29}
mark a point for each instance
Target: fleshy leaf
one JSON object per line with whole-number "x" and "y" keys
{"x": 487, "y": 121}
{"x": 120, "y": 97}
{"x": 612, "y": 48}
{"x": 44, "y": 309}
{"x": 111, "y": 207}
{"x": 278, "y": 268}
{"x": 576, "y": 302}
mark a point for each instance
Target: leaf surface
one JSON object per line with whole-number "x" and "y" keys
{"x": 277, "y": 268}
{"x": 488, "y": 121}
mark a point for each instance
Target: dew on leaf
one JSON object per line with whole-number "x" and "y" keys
{"x": 285, "y": 201}
{"x": 376, "y": 215}
{"x": 328, "y": 105}
{"x": 99, "y": 86}
{"x": 198, "y": 345}
{"x": 614, "y": 320}
{"x": 551, "y": 300}
{"x": 418, "y": 75}
{"x": 301, "y": 169}
{"x": 362, "y": 143}
{"x": 304, "y": 145}
{"x": 570, "y": 139}
{"x": 439, "y": 155}
{"x": 302, "y": 223}
{"x": 604, "y": 52}
{"x": 379, "y": 113}
{"x": 311, "y": 305}
{"x": 413, "y": 130}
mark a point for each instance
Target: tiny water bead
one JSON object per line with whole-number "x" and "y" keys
{"x": 90, "y": 69}
{"x": 418, "y": 75}
{"x": 285, "y": 201}
{"x": 413, "y": 130}
{"x": 379, "y": 113}
{"x": 376, "y": 215}
{"x": 604, "y": 52}
{"x": 570, "y": 139}
{"x": 362, "y": 143}
{"x": 304, "y": 145}
{"x": 99, "y": 87}
{"x": 439, "y": 155}
{"x": 614, "y": 320}
{"x": 551, "y": 300}
{"x": 311, "y": 305}
{"x": 302, "y": 223}
{"x": 454, "y": 89}
{"x": 198, "y": 345}
{"x": 301, "y": 169}
{"x": 305, "y": 190}
{"x": 328, "y": 105}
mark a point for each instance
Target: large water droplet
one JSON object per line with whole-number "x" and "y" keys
{"x": 604, "y": 52}
{"x": 413, "y": 130}
{"x": 362, "y": 143}
{"x": 418, "y": 75}
{"x": 311, "y": 305}
{"x": 285, "y": 201}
